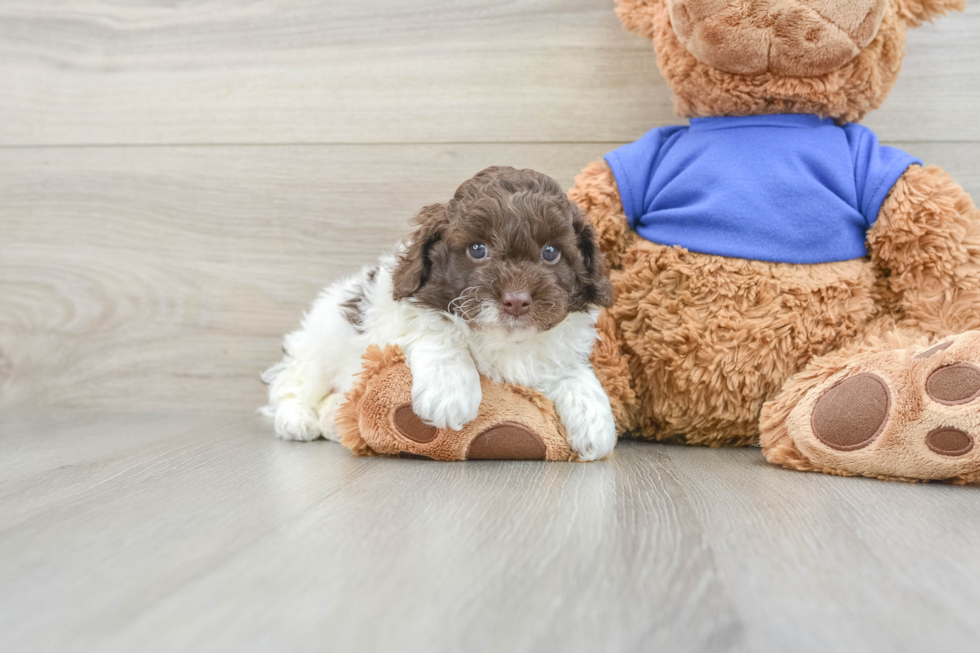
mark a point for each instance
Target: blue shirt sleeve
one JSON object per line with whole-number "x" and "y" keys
{"x": 633, "y": 166}
{"x": 876, "y": 169}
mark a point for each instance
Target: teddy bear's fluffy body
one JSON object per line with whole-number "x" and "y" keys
{"x": 710, "y": 340}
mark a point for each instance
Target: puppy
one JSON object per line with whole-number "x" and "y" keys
{"x": 504, "y": 280}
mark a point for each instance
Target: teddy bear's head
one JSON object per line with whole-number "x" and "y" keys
{"x": 834, "y": 58}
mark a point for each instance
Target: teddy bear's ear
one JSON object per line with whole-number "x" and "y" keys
{"x": 916, "y": 12}
{"x": 637, "y": 15}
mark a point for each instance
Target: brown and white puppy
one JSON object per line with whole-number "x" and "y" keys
{"x": 504, "y": 280}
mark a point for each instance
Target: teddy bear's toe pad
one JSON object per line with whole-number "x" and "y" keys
{"x": 899, "y": 413}
{"x": 954, "y": 384}
{"x": 507, "y": 441}
{"x": 852, "y": 413}
{"x": 949, "y": 441}
{"x": 413, "y": 428}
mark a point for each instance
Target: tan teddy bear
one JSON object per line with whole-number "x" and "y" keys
{"x": 781, "y": 278}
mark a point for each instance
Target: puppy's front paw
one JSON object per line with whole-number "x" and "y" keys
{"x": 447, "y": 398}
{"x": 585, "y": 411}
{"x": 591, "y": 432}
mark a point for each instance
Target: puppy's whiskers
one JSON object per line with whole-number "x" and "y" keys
{"x": 461, "y": 305}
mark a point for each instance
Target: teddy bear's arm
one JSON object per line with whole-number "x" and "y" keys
{"x": 925, "y": 247}
{"x": 596, "y": 193}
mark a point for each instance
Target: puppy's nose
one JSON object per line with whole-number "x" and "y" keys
{"x": 516, "y": 303}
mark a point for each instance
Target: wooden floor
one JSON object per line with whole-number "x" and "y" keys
{"x": 178, "y": 179}
{"x": 163, "y": 532}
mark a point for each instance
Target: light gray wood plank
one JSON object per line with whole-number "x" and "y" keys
{"x": 73, "y": 539}
{"x": 840, "y": 564}
{"x": 149, "y": 278}
{"x": 287, "y": 71}
{"x": 219, "y": 537}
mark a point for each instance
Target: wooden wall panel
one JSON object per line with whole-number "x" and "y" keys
{"x": 166, "y": 276}
{"x": 353, "y": 71}
{"x": 154, "y": 277}
{"x": 178, "y": 179}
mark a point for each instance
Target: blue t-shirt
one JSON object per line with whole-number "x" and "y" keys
{"x": 786, "y": 188}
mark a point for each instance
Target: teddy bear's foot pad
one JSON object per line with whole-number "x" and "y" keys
{"x": 907, "y": 414}
{"x": 507, "y": 441}
{"x": 413, "y": 428}
{"x": 852, "y": 413}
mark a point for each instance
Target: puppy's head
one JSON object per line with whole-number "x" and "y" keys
{"x": 509, "y": 250}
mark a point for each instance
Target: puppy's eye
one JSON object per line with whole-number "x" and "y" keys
{"x": 477, "y": 251}
{"x": 550, "y": 254}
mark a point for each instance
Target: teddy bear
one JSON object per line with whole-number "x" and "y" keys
{"x": 781, "y": 278}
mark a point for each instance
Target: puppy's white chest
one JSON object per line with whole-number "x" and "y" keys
{"x": 528, "y": 359}
{"x": 512, "y": 362}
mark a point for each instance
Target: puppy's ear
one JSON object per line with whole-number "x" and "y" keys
{"x": 916, "y": 12}
{"x": 414, "y": 263}
{"x": 594, "y": 285}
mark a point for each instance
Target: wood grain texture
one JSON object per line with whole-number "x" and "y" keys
{"x": 165, "y": 277}
{"x": 352, "y": 71}
{"x": 140, "y": 278}
{"x": 165, "y": 532}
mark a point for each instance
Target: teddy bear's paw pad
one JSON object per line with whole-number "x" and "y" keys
{"x": 954, "y": 384}
{"x": 412, "y": 427}
{"x": 852, "y": 413}
{"x": 507, "y": 441}
{"x": 897, "y": 413}
{"x": 949, "y": 441}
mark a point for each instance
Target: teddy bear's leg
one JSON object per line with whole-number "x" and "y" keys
{"x": 901, "y": 403}
{"x": 900, "y": 407}
{"x": 513, "y": 423}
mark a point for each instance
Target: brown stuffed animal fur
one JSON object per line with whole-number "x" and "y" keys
{"x": 863, "y": 367}
{"x": 728, "y": 351}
